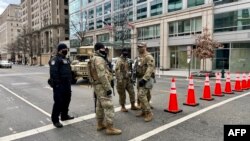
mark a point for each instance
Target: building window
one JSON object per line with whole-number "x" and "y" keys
{"x": 107, "y": 7}
{"x": 232, "y": 21}
{"x": 142, "y": 11}
{"x": 149, "y": 32}
{"x": 99, "y": 10}
{"x": 88, "y": 40}
{"x": 91, "y": 25}
{"x": 185, "y": 27}
{"x": 103, "y": 37}
{"x": 120, "y": 4}
{"x": 140, "y": 1}
{"x": 89, "y": 1}
{"x": 192, "y": 3}
{"x": 66, "y": 12}
{"x": 156, "y": 7}
{"x": 107, "y": 19}
{"x": 66, "y": 2}
{"x": 219, "y": 2}
{"x": 91, "y": 13}
{"x": 99, "y": 23}
{"x": 174, "y": 5}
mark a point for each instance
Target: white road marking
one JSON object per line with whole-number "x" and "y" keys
{"x": 21, "y": 83}
{"x": 20, "y": 74}
{"x": 42, "y": 122}
{"x": 10, "y": 129}
{"x": 48, "y": 119}
{"x": 178, "y": 121}
{"x": 50, "y": 127}
{"x": 29, "y": 103}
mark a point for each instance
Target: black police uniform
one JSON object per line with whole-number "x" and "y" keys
{"x": 60, "y": 73}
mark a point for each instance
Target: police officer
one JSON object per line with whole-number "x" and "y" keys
{"x": 60, "y": 74}
{"x": 144, "y": 73}
{"x": 124, "y": 82}
{"x": 101, "y": 78}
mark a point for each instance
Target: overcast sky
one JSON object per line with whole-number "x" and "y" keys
{"x": 5, "y": 3}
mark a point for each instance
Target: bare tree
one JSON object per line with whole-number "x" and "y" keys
{"x": 205, "y": 46}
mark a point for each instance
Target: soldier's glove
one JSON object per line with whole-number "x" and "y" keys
{"x": 142, "y": 83}
{"x": 112, "y": 83}
{"x": 109, "y": 92}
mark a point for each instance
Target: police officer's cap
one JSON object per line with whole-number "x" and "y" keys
{"x": 99, "y": 46}
{"x": 61, "y": 46}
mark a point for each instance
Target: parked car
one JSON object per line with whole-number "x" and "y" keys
{"x": 5, "y": 64}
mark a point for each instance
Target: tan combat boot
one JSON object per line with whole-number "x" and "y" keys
{"x": 100, "y": 126}
{"x": 110, "y": 130}
{"x": 133, "y": 107}
{"x": 148, "y": 117}
{"x": 123, "y": 108}
{"x": 142, "y": 114}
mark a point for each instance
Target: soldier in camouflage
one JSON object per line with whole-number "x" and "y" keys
{"x": 101, "y": 77}
{"x": 144, "y": 72}
{"x": 124, "y": 82}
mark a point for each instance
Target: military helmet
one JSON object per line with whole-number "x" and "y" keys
{"x": 61, "y": 46}
{"x": 99, "y": 46}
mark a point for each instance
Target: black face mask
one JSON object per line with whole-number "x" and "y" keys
{"x": 64, "y": 52}
{"x": 125, "y": 54}
{"x": 103, "y": 52}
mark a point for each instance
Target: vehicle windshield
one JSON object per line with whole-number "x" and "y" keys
{"x": 82, "y": 58}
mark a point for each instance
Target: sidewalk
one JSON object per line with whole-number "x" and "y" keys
{"x": 184, "y": 74}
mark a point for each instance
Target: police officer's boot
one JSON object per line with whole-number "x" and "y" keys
{"x": 142, "y": 114}
{"x": 100, "y": 126}
{"x": 148, "y": 116}
{"x": 110, "y": 130}
{"x": 123, "y": 108}
{"x": 133, "y": 107}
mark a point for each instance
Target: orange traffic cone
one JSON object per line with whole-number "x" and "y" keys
{"x": 191, "y": 100}
{"x": 228, "y": 89}
{"x": 206, "y": 90}
{"x": 217, "y": 88}
{"x": 244, "y": 82}
{"x": 173, "y": 103}
{"x": 248, "y": 81}
{"x": 237, "y": 86}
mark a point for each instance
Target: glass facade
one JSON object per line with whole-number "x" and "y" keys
{"x": 218, "y": 2}
{"x": 156, "y": 7}
{"x": 140, "y": 1}
{"x": 107, "y": 8}
{"x": 239, "y": 57}
{"x": 91, "y": 13}
{"x": 174, "y": 5}
{"x": 185, "y": 27}
{"x": 98, "y": 10}
{"x": 88, "y": 41}
{"x": 74, "y": 6}
{"x": 99, "y": 23}
{"x": 149, "y": 32}
{"x": 119, "y": 4}
{"x": 103, "y": 37}
{"x": 91, "y": 25}
{"x": 232, "y": 21}
{"x": 192, "y": 3}
{"x": 142, "y": 11}
{"x": 178, "y": 58}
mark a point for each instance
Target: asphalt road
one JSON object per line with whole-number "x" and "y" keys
{"x": 27, "y": 100}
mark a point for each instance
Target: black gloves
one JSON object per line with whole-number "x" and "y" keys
{"x": 109, "y": 92}
{"x": 142, "y": 83}
{"x": 112, "y": 83}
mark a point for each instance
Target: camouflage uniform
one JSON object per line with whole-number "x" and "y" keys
{"x": 101, "y": 83}
{"x": 144, "y": 70}
{"x": 124, "y": 82}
